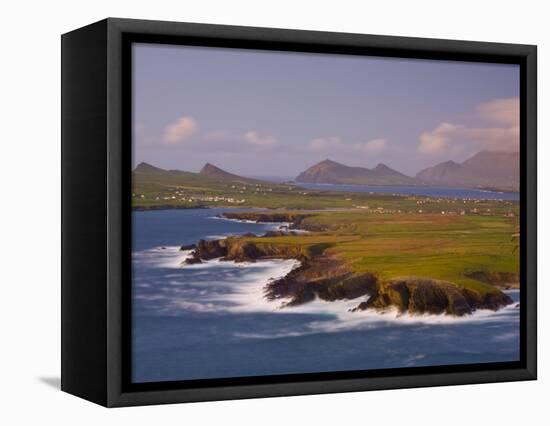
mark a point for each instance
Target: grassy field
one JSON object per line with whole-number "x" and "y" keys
{"x": 389, "y": 235}
{"x": 435, "y": 246}
{"x": 190, "y": 190}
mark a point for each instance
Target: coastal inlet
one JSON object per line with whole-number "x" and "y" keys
{"x": 248, "y": 308}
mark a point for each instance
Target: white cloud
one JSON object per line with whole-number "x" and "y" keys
{"x": 498, "y": 131}
{"x": 254, "y": 138}
{"x": 502, "y": 111}
{"x": 374, "y": 145}
{"x": 180, "y": 131}
{"x": 438, "y": 139}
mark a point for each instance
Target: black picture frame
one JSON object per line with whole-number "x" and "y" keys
{"x": 96, "y": 221}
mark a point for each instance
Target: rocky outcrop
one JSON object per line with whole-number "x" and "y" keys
{"x": 242, "y": 250}
{"x": 296, "y": 220}
{"x": 186, "y": 247}
{"x": 324, "y": 277}
{"x": 211, "y": 249}
{"x": 319, "y": 275}
{"x": 505, "y": 280}
{"x": 266, "y": 217}
{"x": 429, "y": 296}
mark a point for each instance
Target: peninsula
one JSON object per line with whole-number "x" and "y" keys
{"x": 416, "y": 254}
{"x": 346, "y": 256}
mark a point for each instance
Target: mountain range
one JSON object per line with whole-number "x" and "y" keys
{"x": 329, "y": 171}
{"x": 215, "y": 172}
{"x": 497, "y": 170}
{"x": 209, "y": 172}
{"x": 486, "y": 169}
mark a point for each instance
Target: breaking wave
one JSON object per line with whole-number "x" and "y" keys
{"x": 167, "y": 285}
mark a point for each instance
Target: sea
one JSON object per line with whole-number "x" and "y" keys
{"x": 429, "y": 191}
{"x": 211, "y": 320}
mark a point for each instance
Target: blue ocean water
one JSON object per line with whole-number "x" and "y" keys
{"x": 211, "y": 320}
{"x": 431, "y": 191}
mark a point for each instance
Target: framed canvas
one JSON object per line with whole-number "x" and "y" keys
{"x": 254, "y": 212}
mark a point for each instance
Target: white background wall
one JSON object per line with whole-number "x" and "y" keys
{"x": 30, "y": 194}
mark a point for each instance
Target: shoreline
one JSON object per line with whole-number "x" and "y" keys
{"x": 177, "y": 207}
{"x": 334, "y": 191}
{"x": 249, "y": 290}
{"x": 481, "y": 188}
{"x": 323, "y": 276}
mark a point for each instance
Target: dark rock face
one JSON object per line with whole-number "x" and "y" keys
{"x": 323, "y": 277}
{"x": 264, "y": 217}
{"x": 493, "y": 301}
{"x": 192, "y": 260}
{"x": 296, "y": 220}
{"x": 206, "y": 250}
{"x": 243, "y": 252}
{"x": 420, "y": 296}
{"x": 328, "y": 278}
{"x": 211, "y": 249}
{"x": 188, "y": 247}
{"x": 506, "y": 280}
{"x": 240, "y": 250}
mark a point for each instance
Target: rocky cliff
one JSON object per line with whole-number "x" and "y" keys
{"x": 324, "y": 276}
{"x": 429, "y": 296}
{"x": 296, "y": 220}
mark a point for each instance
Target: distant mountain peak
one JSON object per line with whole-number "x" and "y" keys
{"x": 382, "y": 167}
{"x": 329, "y": 162}
{"x": 216, "y": 172}
{"x": 147, "y": 168}
{"x": 490, "y": 169}
{"x": 328, "y": 171}
{"x": 210, "y": 169}
{"x": 383, "y": 170}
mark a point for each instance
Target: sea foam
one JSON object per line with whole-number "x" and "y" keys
{"x": 216, "y": 286}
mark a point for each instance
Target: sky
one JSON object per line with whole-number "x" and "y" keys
{"x": 266, "y": 113}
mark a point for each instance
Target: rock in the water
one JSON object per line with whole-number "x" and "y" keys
{"x": 187, "y": 247}
{"x": 296, "y": 220}
{"x": 326, "y": 277}
{"x": 192, "y": 260}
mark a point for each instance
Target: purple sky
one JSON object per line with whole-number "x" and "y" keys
{"x": 261, "y": 113}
